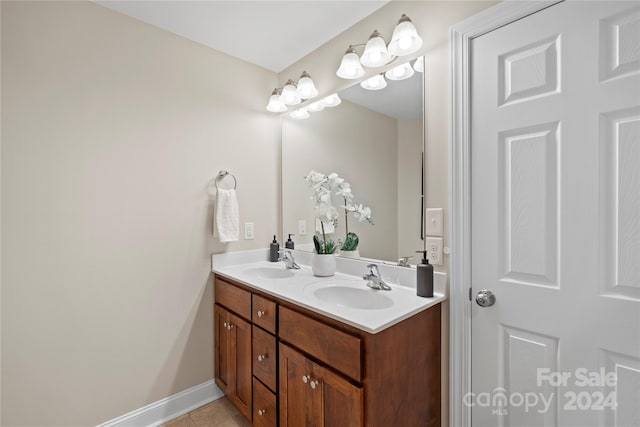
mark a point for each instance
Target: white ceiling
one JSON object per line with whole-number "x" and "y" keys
{"x": 271, "y": 34}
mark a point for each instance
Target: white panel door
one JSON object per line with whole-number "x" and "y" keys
{"x": 555, "y": 159}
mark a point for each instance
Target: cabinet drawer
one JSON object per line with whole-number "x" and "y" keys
{"x": 264, "y": 406}
{"x": 336, "y": 348}
{"x": 232, "y": 297}
{"x": 264, "y": 357}
{"x": 264, "y": 313}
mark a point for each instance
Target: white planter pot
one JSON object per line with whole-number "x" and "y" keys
{"x": 350, "y": 254}
{"x": 324, "y": 265}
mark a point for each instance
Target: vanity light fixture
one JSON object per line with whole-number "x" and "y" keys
{"x": 418, "y": 65}
{"x": 404, "y": 41}
{"x": 275, "y": 104}
{"x": 376, "y": 82}
{"x": 292, "y": 93}
{"x": 375, "y": 52}
{"x": 306, "y": 88}
{"x": 401, "y": 72}
{"x": 350, "y": 67}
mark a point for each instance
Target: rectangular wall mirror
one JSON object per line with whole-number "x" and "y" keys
{"x": 375, "y": 141}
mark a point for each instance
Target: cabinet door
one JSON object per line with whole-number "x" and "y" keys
{"x": 222, "y": 351}
{"x": 314, "y": 396}
{"x": 233, "y": 358}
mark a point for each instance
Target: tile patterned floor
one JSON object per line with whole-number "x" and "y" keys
{"x": 220, "y": 413}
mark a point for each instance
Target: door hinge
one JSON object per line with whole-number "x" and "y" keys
{"x": 470, "y": 292}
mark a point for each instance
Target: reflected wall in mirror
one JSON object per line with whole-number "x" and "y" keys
{"x": 374, "y": 140}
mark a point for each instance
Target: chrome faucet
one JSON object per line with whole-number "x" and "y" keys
{"x": 374, "y": 280}
{"x": 287, "y": 257}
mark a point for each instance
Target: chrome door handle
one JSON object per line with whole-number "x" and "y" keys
{"x": 485, "y": 298}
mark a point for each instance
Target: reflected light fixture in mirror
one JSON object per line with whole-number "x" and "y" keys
{"x": 374, "y": 83}
{"x": 400, "y": 72}
{"x": 332, "y": 100}
{"x": 316, "y": 106}
{"x": 418, "y": 65}
{"x": 300, "y": 113}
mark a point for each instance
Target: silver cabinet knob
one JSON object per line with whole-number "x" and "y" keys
{"x": 305, "y": 379}
{"x": 314, "y": 384}
{"x": 225, "y": 324}
{"x": 261, "y": 412}
{"x": 261, "y": 313}
{"x": 261, "y": 357}
{"x": 485, "y": 298}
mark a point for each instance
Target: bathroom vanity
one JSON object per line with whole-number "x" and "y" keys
{"x": 289, "y": 361}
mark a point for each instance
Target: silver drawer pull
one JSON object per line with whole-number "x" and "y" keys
{"x": 261, "y": 313}
{"x": 314, "y": 384}
{"x": 261, "y": 412}
{"x": 261, "y": 357}
{"x": 305, "y": 379}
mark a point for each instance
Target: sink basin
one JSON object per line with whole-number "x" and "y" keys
{"x": 269, "y": 272}
{"x": 353, "y": 297}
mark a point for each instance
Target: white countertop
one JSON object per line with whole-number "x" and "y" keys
{"x": 301, "y": 286}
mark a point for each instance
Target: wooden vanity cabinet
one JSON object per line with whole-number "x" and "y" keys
{"x": 284, "y": 365}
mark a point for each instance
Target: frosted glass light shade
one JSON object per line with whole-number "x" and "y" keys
{"x": 306, "y": 88}
{"x": 400, "y": 72}
{"x": 350, "y": 67}
{"x": 374, "y": 83}
{"x": 275, "y": 104}
{"x": 332, "y": 100}
{"x": 405, "y": 39}
{"x": 316, "y": 106}
{"x": 375, "y": 52}
{"x": 300, "y": 113}
{"x": 289, "y": 94}
{"x": 418, "y": 65}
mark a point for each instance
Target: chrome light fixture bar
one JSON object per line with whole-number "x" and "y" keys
{"x": 292, "y": 93}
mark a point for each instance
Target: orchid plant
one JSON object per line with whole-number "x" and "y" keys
{"x": 323, "y": 186}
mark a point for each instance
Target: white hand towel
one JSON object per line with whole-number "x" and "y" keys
{"x": 227, "y": 221}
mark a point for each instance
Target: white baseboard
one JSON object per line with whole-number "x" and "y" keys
{"x": 168, "y": 408}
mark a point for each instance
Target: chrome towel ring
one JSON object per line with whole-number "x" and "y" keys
{"x": 222, "y": 175}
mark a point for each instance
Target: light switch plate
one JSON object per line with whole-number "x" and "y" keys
{"x": 435, "y": 222}
{"x": 302, "y": 227}
{"x": 248, "y": 231}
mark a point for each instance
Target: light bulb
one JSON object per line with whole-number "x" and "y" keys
{"x": 332, "y": 100}
{"x": 404, "y": 42}
{"x": 405, "y": 39}
{"x": 400, "y": 72}
{"x": 375, "y": 56}
{"x": 375, "y": 52}
{"x": 374, "y": 83}
{"x": 350, "y": 67}
{"x": 300, "y": 113}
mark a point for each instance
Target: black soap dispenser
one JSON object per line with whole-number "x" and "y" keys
{"x": 424, "y": 279}
{"x": 274, "y": 248}
{"x": 289, "y": 243}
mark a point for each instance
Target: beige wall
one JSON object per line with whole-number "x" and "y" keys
{"x": 358, "y": 144}
{"x": 111, "y": 132}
